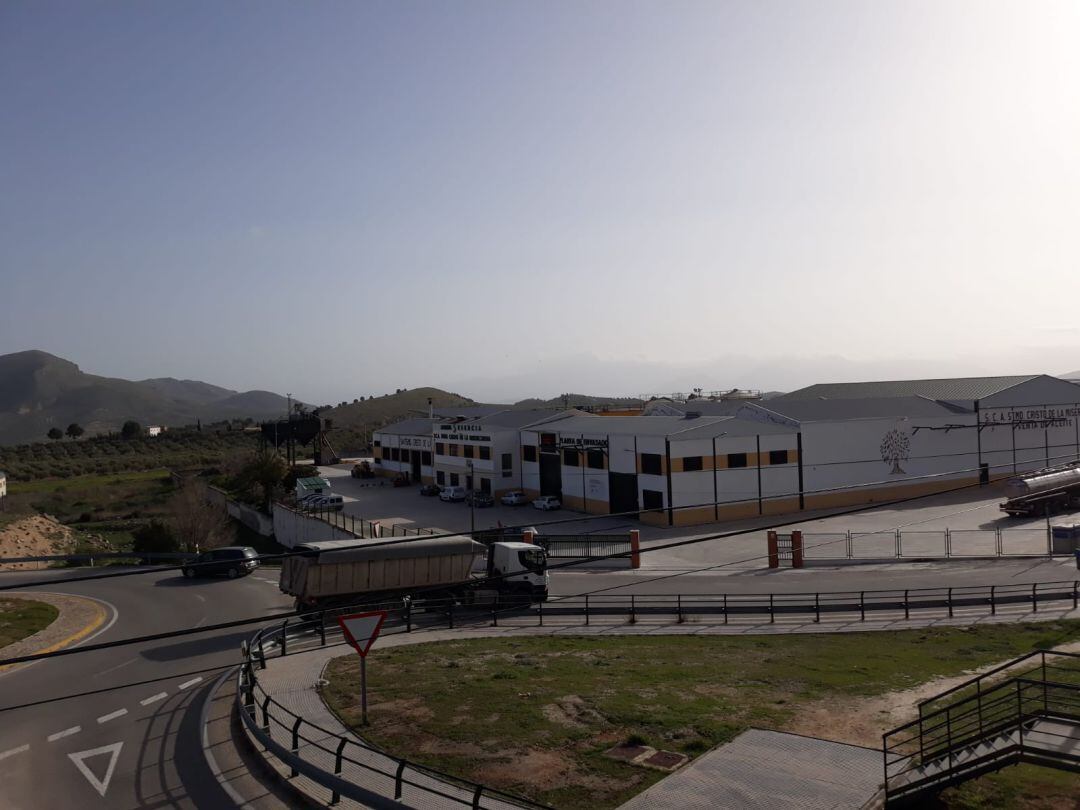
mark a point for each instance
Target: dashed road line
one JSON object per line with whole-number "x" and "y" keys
{"x": 105, "y": 718}
{"x": 192, "y": 682}
{"x": 13, "y": 751}
{"x": 154, "y": 698}
{"x": 67, "y": 732}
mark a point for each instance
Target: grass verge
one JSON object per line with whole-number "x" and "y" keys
{"x": 535, "y": 715}
{"x": 20, "y": 618}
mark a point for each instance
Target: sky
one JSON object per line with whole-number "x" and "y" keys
{"x": 512, "y": 199}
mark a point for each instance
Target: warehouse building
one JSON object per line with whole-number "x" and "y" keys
{"x": 404, "y": 449}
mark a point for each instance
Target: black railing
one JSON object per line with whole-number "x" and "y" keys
{"x": 583, "y": 545}
{"x": 988, "y": 724}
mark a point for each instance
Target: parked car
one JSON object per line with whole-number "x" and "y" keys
{"x": 429, "y": 489}
{"x": 514, "y": 497}
{"x": 479, "y": 499}
{"x": 452, "y": 494}
{"x": 547, "y": 503}
{"x": 321, "y": 503}
{"x": 230, "y": 561}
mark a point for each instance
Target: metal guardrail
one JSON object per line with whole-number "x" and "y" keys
{"x": 583, "y": 545}
{"x": 261, "y": 713}
{"x": 988, "y": 728}
{"x": 147, "y": 558}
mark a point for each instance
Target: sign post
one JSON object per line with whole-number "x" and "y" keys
{"x": 361, "y": 630}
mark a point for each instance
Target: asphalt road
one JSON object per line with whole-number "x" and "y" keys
{"x": 74, "y": 734}
{"x": 120, "y": 728}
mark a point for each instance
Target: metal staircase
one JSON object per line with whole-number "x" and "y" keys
{"x": 1027, "y": 710}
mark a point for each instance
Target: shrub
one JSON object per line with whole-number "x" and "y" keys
{"x": 155, "y": 537}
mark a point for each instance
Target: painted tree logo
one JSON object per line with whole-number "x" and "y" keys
{"x": 895, "y": 448}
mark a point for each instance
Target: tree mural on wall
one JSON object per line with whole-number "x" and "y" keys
{"x": 895, "y": 447}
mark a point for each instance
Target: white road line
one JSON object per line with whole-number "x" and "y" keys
{"x": 105, "y": 718}
{"x": 192, "y": 682}
{"x": 200, "y": 597}
{"x": 67, "y": 732}
{"x": 154, "y": 698}
{"x": 13, "y": 751}
{"x": 113, "y": 669}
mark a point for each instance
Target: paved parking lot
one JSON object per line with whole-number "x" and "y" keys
{"x": 922, "y": 522}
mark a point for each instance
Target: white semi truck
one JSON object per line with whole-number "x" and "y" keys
{"x": 335, "y": 573}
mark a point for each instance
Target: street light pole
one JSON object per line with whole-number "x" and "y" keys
{"x": 472, "y": 500}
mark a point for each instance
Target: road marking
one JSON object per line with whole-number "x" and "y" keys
{"x": 81, "y": 635}
{"x": 113, "y": 669}
{"x": 154, "y": 698}
{"x": 100, "y": 785}
{"x": 200, "y": 597}
{"x": 13, "y": 751}
{"x": 67, "y": 732}
{"x": 105, "y": 718}
{"x": 192, "y": 682}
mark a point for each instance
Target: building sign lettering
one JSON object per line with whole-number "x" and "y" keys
{"x": 1035, "y": 418}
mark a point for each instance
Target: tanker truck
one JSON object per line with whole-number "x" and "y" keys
{"x": 334, "y": 573}
{"x": 1044, "y": 491}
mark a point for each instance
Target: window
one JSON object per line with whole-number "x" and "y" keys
{"x": 425, "y": 458}
{"x": 778, "y": 457}
{"x": 528, "y": 452}
{"x": 652, "y": 464}
{"x": 454, "y": 479}
{"x": 507, "y": 461}
{"x": 467, "y": 451}
{"x": 440, "y": 477}
{"x": 378, "y": 443}
{"x": 452, "y": 450}
{"x": 440, "y": 449}
{"x": 595, "y": 459}
{"x": 547, "y": 443}
{"x": 691, "y": 463}
{"x": 485, "y": 453}
{"x": 378, "y": 459}
{"x": 652, "y": 499}
{"x": 394, "y": 454}
{"x": 736, "y": 460}
{"x": 485, "y": 485}
{"x": 570, "y": 458}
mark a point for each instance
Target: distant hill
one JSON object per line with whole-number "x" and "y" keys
{"x": 39, "y": 391}
{"x": 578, "y": 401}
{"x": 353, "y": 422}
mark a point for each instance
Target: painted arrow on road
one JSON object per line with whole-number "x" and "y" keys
{"x": 100, "y": 785}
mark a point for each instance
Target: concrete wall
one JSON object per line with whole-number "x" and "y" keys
{"x": 292, "y": 528}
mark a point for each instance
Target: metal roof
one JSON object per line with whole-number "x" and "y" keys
{"x": 312, "y": 481}
{"x": 960, "y": 388}
{"x": 669, "y": 426}
{"x": 823, "y": 410}
{"x": 522, "y": 418}
{"x": 409, "y": 427}
{"x": 466, "y": 411}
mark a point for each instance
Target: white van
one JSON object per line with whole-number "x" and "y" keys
{"x": 452, "y": 494}
{"x": 321, "y": 503}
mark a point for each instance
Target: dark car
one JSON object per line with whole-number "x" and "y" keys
{"x": 479, "y": 499}
{"x": 229, "y": 561}
{"x": 429, "y": 489}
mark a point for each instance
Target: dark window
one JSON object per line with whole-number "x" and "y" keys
{"x": 452, "y": 449}
{"x": 570, "y": 458}
{"x": 485, "y": 452}
{"x": 547, "y": 443}
{"x": 652, "y": 499}
{"x": 595, "y": 459}
{"x": 691, "y": 463}
{"x": 394, "y": 454}
{"x": 778, "y": 457}
{"x": 378, "y": 443}
{"x": 440, "y": 477}
{"x": 507, "y": 461}
{"x": 736, "y": 460}
{"x": 440, "y": 449}
{"x": 652, "y": 464}
{"x": 454, "y": 478}
{"x": 467, "y": 451}
{"x": 528, "y": 452}
{"x": 378, "y": 460}
{"x": 425, "y": 458}
{"x": 485, "y": 485}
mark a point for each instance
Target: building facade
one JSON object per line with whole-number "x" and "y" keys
{"x": 405, "y": 449}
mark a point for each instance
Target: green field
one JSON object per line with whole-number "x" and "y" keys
{"x": 535, "y": 715}
{"x": 20, "y": 618}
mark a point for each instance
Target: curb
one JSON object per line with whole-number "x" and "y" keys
{"x": 75, "y": 638}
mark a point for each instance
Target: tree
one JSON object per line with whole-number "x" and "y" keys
{"x": 263, "y": 472}
{"x": 197, "y": 522}
{"x": 895, "y": 447}
{"x": 74, "y": 430}
{"x": 55, "y": 433}
{"x": 155, "y": 537}
{"x": 131, "y": 430}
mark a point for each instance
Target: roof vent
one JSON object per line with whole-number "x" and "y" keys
{"x": 693, "y": 414}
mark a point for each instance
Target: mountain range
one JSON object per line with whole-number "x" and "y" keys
{"x": 39, "y": 391}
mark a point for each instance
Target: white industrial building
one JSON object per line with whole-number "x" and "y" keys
{"x": 822, "y": 446}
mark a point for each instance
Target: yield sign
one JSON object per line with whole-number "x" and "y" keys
{"x": 361, "y": 629}
{"x": 102, "y": 784}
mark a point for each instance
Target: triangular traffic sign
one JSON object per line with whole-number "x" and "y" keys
{"x": 79, "y": 758}
{"x": 361, "y": 629}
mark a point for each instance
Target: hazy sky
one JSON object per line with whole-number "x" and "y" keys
{"x": 510, "y": 198}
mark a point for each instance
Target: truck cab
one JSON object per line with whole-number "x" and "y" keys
{"x": 522, "y": 566}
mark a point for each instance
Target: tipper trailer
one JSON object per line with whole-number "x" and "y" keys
{"x": 335, "y": 573}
